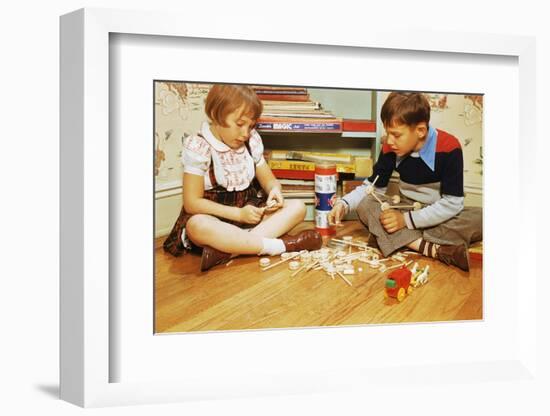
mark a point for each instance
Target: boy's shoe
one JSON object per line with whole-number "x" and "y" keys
{"x": 212, "y": 257}
{"x": 306, "y": 240}
{"x": 455, "y": 256}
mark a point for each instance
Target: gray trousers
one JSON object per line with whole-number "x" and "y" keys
{"x": 464, "y": 228}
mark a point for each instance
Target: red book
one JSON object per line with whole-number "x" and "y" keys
{"x": 295, "y": 174}
{"x": 359, "y": 125}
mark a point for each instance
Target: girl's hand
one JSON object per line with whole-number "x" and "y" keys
{"x": 275, "y": 195}
{"x": 250, "y": 214}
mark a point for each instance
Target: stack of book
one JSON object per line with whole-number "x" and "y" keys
{"x": 289, "y": 109}
{"x": 287, "y": 164}
{"x": 269, "y": 93}
{"x": 298, "y": 188}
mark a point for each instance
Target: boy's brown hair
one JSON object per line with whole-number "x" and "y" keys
{"x": 408, "y": 108}
{"x": 223, "y": 99}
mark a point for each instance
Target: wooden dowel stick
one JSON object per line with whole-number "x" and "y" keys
{"x": 343, "y": 277}
{"x": 375, "y": 197}
{"x": 363, "y": 245}
{"x": 299, "y": 270}
{"x": 280, "y": 262}
{"x": 396, "y": 266}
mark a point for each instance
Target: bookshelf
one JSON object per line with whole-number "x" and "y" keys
{"x": 345, "y": 104}
{"x": 348, "y": 104}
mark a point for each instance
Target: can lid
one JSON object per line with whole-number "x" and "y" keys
{"x": 325, "y": 168}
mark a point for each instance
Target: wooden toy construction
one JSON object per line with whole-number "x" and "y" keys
{"x": 341, "y": 258}
{"x": 384, "y": 200}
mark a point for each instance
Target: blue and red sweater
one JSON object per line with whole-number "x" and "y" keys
{"x": 433, "y": 176}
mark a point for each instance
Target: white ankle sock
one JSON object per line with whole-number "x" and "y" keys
{"x": 272, "y": 247}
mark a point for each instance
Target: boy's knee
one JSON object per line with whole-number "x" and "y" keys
{"x": 366, "y": 207}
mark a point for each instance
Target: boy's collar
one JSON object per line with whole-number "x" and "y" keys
{"x": 427, "y": 152}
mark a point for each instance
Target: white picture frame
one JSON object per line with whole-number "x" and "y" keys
{"x": 85, "y": 221}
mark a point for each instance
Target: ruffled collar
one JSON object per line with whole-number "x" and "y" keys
{"x": 218, "y": 145}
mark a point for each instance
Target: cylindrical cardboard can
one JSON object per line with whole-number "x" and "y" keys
{"x": 325, "y": 196}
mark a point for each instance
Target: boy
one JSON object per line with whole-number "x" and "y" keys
{"x": 430, "y": 165}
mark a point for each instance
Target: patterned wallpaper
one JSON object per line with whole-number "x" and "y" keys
{"x": 179, "y": 113}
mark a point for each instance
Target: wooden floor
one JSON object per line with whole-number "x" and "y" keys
{"x": 241, "y": 296}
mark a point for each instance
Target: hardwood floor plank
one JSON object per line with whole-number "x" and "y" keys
{"x": 241, "y": 296}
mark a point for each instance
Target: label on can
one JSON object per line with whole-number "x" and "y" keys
{"x": 321, "y": 223}
{"x": 325, "y": 183}
{"x": 324, "y": 202}
{"x": 325, "y": 196}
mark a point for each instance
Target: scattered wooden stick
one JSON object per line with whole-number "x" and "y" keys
{"x": 343, "y": 277}
{"x": 399, "y": 265}
{"x": 299, "y": 270}
{"x": 281, "y": 261}
{"x": 360, "y": 245}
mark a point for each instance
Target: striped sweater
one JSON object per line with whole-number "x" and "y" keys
{"x": 434, "y": 176}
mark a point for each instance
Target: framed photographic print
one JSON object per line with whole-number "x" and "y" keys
{"x": 138, "y": 326}
{"x": 299, "y": 129}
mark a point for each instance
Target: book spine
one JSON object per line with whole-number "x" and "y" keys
{"x": 293, "y": 174}
{"x": 299, "y": 165}
{"x": 312, "y": 127}
{"x": 359, "y": 125}
{"x": 277, "y": 88}
{"x": 310, "y": 156}
{"x": 280, "y": 92}
{"x": 283, "y": 97}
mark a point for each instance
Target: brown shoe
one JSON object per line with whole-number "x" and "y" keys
{"x": 455, "y": 256}
{"x": 212, "y": 257}
{"x": 306, "y": 240}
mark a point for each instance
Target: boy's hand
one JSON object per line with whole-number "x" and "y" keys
{"x": 250, "y": 214}
{"x": 337, "y": 213}
{"x": 392, "y": 220}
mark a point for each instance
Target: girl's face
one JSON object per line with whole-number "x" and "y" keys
{"x": 237, "y": 129}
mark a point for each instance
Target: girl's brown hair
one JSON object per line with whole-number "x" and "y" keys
{"x": 408, "y": 108}
{"x": 223, "y": 99}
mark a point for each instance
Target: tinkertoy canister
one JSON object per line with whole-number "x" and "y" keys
{"x": 325, "y": 196}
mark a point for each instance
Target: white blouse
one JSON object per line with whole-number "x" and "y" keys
{"x": 233, "y": 169}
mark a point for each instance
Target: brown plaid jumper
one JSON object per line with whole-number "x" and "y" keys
{"x": 253, "y": 195}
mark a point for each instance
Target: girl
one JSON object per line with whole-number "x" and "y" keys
{"x": 225, "y": 183}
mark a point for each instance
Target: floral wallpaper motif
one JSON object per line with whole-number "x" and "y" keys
{"x": 473, "y": 109}
{"x": 178, "y": 114}
{"x": 438, "y": 102}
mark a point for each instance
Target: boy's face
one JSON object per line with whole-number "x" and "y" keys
{"x": 237, "y": 129}
{"x": 404, "y": 139}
